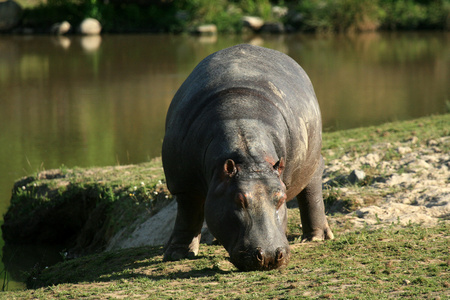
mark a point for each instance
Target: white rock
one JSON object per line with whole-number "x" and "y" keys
{"x": 255, "y": 23}
{"x": 356, "y": 176}
{"x": 432, "y": 143}
{"x": 60, "y": 28}
{"x": 413, "y": 140}
{"x": 396, "y": 213}
{"x": 279, "y": 11}
{"x": 404, "y": 150}
{"x": 206, "y": 29}
{"x": 155, "y": 231}
{"x": 402, "y": 179}
{"x": 90, "y": 26}
{"x": 420, "y": 164}
{"x": 370, "y": 159}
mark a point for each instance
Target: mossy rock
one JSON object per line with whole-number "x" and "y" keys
{"x": 81, "y": 209}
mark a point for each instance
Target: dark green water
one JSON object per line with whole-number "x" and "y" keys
{"x": 98, "y": 101}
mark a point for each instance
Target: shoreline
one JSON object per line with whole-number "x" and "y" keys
{"x": 406, "y": 182}
{"x": 201, "y": 17}
{"x": 408, "y": 166}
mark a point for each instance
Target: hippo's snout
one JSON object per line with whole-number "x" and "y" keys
{"x": 268, "y": 260}
{"x": 260, "y": 259}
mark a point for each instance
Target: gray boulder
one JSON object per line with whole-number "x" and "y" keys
{"x": 10, "y": 14}
{"x": 273, "y": 27}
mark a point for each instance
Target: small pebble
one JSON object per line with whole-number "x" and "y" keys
{"x": 356, "y": 176}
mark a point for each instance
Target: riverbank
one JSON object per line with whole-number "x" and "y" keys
{"x": 401, "y": 204}
{"x": 126, "y": 16}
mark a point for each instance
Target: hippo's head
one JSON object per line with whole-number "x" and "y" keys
{"x": 246, "y": 211}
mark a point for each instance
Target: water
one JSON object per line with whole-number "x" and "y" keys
{"x": 97, "y": 101}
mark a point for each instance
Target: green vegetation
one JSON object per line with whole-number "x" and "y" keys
{"x": 136, "y": 184}
{"x": 411, "y": 262}
{"x": 91, "y": 205}
{"x": 184, "y": 15}
{"x": 363, "y": 15}
{"x": 402, "y": 262}
{"x": 361, "y": 140}
{"x": 342, "y": 16}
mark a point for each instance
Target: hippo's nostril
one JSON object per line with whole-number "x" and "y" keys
{"x": 280, "y": 254}
{"x": 259, "y": 255}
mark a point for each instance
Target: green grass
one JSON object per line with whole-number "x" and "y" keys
{"x": 411, "y": 262}
{"x": 395, "y": 262}
{"x": 90, "y": 204}
{"x": 361, "y": 140}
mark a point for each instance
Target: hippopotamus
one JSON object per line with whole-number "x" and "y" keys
{"x": 243, "y": 136}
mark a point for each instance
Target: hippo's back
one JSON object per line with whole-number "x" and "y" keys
{"x": 283, "y": 93}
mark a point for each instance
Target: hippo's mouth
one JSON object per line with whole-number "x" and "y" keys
{"x": 258, "y": 259}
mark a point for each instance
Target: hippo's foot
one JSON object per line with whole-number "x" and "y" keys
{"x": 318, "y": 235}
{"x": 176, "y": 251}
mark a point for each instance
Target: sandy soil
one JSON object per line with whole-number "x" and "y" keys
{"x": 413, "y": 188}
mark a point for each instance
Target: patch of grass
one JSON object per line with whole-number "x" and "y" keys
{"x": 83, "y": 205}
{"x": 361, "y": 140}
{"x": 335, "y": 201}
{"x": 411, "y": 262}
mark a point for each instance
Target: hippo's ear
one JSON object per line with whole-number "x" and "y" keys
{"x": 230, "y": 167}
{"x": 279, "y": 166}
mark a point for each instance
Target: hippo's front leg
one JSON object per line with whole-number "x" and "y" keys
{"x": 312, "y": 210}
{"x": 185, "y": 239}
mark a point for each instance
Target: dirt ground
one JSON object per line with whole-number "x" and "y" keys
{"x": 413, "y": 188}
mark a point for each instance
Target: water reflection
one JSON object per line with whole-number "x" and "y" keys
{"x": 62, "y": 41}
{"x": 85, "y": 102}
{"x": 90, "y": 43}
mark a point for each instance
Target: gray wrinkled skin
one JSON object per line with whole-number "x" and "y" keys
{"x": 243, "y": 136}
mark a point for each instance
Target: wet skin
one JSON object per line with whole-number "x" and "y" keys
{"x": 243, "y": 136}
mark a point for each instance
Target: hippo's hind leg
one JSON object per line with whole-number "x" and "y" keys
{"x": 312, "y": 210}
{"x": 185, "y": 239}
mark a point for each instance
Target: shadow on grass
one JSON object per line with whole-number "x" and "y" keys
{"x": 124, "y": 264}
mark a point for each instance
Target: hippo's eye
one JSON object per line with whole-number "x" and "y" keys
{"x": 281, "y": 199}
{"x": 241, "y": 200}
